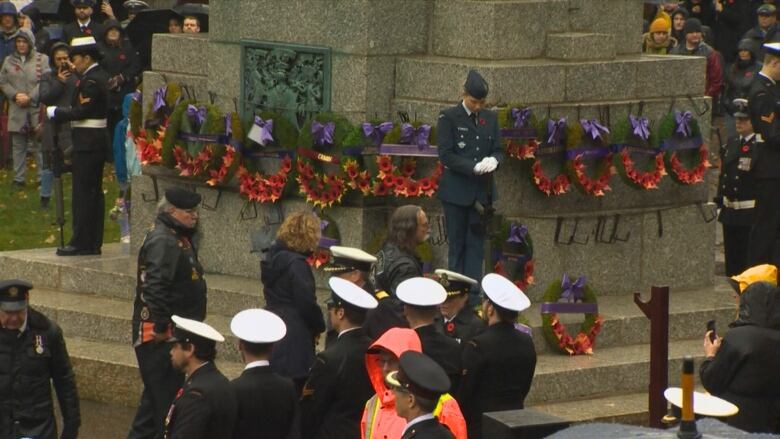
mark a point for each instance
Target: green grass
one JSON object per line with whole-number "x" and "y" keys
{"x": 23, "y": 224}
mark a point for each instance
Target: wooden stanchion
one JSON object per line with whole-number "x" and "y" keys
{"x": 657, "y": 310}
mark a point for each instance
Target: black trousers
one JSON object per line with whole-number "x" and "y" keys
{"x": 466, "y": 248}
{"x": 161, "y": 382}
{"x": 767, "y": 223}
{"x": 736, "y": 242}
{"x": 88, "y": 202}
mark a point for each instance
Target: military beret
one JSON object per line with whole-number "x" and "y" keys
{"x": 454, "y": 283}
{"x": 14, "y": 294}
{"x": 419, "y": 375}
{"x": 766, "y": 10}
{"x": 182, "y": 198}
{"x": 345, "y": 259}
{"x": 476, "y": 86}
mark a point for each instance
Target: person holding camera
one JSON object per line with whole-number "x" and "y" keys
{"x": 470, "y": 150}
{"x": 19, "y": 79}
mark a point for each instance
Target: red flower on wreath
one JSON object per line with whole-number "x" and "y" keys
{"x": 693, "y": 175}
{"x": 593, "y": 186}
{"x": 557, "y": 186}
{"x": 385, "y": 164}
{"x": 218, "y": 175}
{"x": 318, "y": 257}
{"x": 189, "y": 166}
{"x": 582, "y": 343}
{"x": 646, "y": 180}
{"x": 322, "y": 190}
{"x": 265, "y": 189}
{"x": 149, "y": 151}
{"x": 399, "y": 182}
{"x": 523, "y": 151}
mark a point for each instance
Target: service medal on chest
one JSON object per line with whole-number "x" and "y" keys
{"x": 461, "y": 145}
{"x": 38, "y": 344}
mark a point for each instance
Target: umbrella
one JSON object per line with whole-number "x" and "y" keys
{"x": 148, "y": 22}
{"x": 58, "y": 10}
{"x": 197, "y": 10}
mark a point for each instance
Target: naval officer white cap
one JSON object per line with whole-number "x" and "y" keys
{"x": 258, "y": 326}
{"x": 421, "y": 291}
{"x": 502, "y": 292}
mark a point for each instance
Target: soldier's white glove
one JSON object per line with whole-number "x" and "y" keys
{"x": 50, "y": 112}
{"x": 489, "y": 164}
{"x": 479, "y": 168}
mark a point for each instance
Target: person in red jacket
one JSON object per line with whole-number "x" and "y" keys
{"x": 694, "y": 45}
{"x": 379, "y": 417}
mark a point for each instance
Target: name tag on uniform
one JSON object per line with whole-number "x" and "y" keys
{"x": 461, "y": 145}
{"x": 744, "y": 164}
{"x": 462, "y": 129}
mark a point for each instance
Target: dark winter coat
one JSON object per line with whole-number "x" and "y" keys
{"x": 289, "y": 289}
{"x": 736, "y": 182}
{"x": 714, "y": 71}
{"x": 53, "y": 92}
{"x": 169, "y": 280}
{"x": 739, "y": 78}
{"x": 465, "y": 326}
{"x": 29, "y": 363}
{"x": 267, "y": 405}
{"x": 744, "y": 371}
{"x": 392, "y": 267}
{"x": 732, "y": 22}
{"x": 759, "y": 36}
{"x": 123, "y": 67}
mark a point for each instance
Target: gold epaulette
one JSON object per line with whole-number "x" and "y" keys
{"x": 381, "y": 295}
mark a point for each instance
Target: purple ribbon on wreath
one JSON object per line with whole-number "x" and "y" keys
{"x": 640, "y": 127}
{"x": 517, "y": 233}
{"x": 419, "y": 136}
{"x": 555, "y": 131}
{"x": 326, "y": 242}
{"x": 683, "y": 121}
{"x": 594, "y": 128}
{"x": 159, "y": 98}
{"x": 521, "y": 116}
{"x": 376, "y": 133}
{"x": 228, "y": 124}
{"x": 266, "y": 130}
{"x": 323, "y": 133}
{"x": 196, "y": 115}
{"x": 573, "y": 291}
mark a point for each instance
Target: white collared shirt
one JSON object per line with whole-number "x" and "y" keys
{"x": 347, "y": 330}
{"x": 468, "y": 112}
{"x": 258, "y": 363}
{"x": 767, "y": 77}
{"x": 89, "y": 20}
{"x": 89, "y": 68}
{"x": 417, "y": 420}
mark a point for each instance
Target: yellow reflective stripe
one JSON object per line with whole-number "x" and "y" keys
{"x": 372, "y": 411}
{"x": 381, "y": 295}
{"x": 440, "y": 405}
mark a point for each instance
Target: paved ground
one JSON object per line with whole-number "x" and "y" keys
{"x": 104, "y": 421}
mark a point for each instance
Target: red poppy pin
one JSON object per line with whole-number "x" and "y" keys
{"x": 482, "y": 121}
{"x": 180, "y": 392}
{"x": 88, "y": 31}
{"x": 745, "y": 148}
{"x": 122, "y": 56}
{"x": 450, "y": 327}
{"x": 78, "y": 81}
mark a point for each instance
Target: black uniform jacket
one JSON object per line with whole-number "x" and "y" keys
{"x": 498, "y": 367}
{"x": 442, "y": 349}
{"x": 392, "y": 267}
{"x": 764, "y": 103}
{"x": 428, "y": 429}
{"x": 736, "y": 185}
{"x": 73, "y": 30}
{"x": 465, "y": 326}
{"x": 205, "y": 408}
{"x": 90, "y": 101}
{"x": 744, "y": 370}
{"x": 267, "y": 405}
{"x": 28, "y": 364}
{"x": 337, "y": 389}
{"x": 462, "y": 144}
{"x": 169, "y": 280}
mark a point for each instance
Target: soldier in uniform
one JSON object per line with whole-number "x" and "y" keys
{"x": 32, "y": 356}
{"x": 267, "y": 402}
{"x": 87, "y": 117}
{"x": 418, "y": 383}
{"x": 205, "y": 407}
{"x": 169, "y": 281}
{"x": 763, "y": 106}
{"x": 338, "y": 385}
{"x": 736, "y": 190}
{"x": 499, "y": 364}
{"x": 469, "y": 149}
{"x": 421, "y": 297}
{"x": 458, "y": 319}
{"x": 354, "y": 265}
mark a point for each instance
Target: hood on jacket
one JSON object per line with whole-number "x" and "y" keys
{"x": 59, "y": 45}
{"x": 397, "y": 341}
{"x": 126, "y": 104}
{"x": 650, "y": 43}
{"x": 748, "y": 45}
{"x": 277, "y": 261}
{"x": 27, "y": 35}
{"x": 759, "y": 306}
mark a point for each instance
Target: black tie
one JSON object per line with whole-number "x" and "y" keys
{"x": 83, "y": 29}
{"x": 473, "y": 117}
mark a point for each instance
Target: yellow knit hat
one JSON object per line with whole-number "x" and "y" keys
{"x": 659, "y": 25}
{"x": 765, "y": 272}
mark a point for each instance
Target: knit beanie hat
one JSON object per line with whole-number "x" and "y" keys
{"x": 659, "y": 25}
{"x": 692, "y": 25}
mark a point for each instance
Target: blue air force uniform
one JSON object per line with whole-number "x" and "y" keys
{"x": 464, "y": 140}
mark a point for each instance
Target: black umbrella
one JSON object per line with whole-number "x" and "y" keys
{"x": 59, "y": 10}
{"x": 148, "y": 22}
{"x": 197, "y": 10}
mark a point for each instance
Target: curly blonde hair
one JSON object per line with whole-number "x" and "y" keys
{"x": 300, "y": 231}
